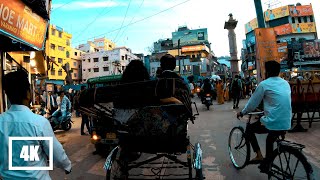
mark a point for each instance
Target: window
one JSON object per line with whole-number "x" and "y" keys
{"x": 84, "y": 69}
{"x": 53, "y": 32}
{"x": 96, "y": 69}
{"x": 122, "y": 57}
{"x": 89, "y": 60}
{"x": 84, "y": 60}
{"x": 75, "y": 75}
{"x": 60, "y": 34}
{"x": 84, "y": 79}
{"x": 89, "y": 70}
{"x": 67, "y": 54}
{"x": 110, "y": 46}
{"x": 75, "y": 53}
{"x": 68, "y": 42}
{"x": 193, "y": 56}
{"x": 293, "y": 20}
{"x": 105, "y": 68}
{"x": 53, "y": 46}
{"x": 79, "y": 66}
{"x": 305, "y": 19}
{"x": 61, "y": 48}
{"x": 53, "y": 59}
{"x": 75, "y": 64}
{"x": 299, "y": 19}
{"x": 311, "y": 18}
{"x": 59, "y": 73}
{"x": 95, "y": 59}
{"x": 80, "y": 53}
{"x": 105, "y": 58}
{"x": 60, "y": 60}
{"x": 123, "y": 68}
{"x": 126, "y": 56}
{"x": 53, "y": 72}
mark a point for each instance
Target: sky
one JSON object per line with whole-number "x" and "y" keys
{"x": 136, "y": 24}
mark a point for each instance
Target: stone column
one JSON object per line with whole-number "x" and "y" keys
{"x": 230, "y": 26}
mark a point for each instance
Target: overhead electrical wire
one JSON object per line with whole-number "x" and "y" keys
{"x": 125, "y": 16}
{"x": 138, "y": 20}
{"x": 62, "y": 5}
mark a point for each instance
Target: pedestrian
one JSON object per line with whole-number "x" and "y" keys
{"x": 51, "y": 103}
{"x": 236, "y": 87}
{"x": 84, "y": 118}
{"x": 19, "y": 121}
{"x": 226, "y": 90}
{"x": 220, "y": 92}
{"x": 76, "y": 103}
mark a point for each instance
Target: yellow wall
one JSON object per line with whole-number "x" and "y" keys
{"x": 56, "y": 53}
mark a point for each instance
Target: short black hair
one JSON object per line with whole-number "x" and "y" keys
{"x": 272, "y": 68}
{"x": 168, "y": 62}
{"x": 236, "y": 76}
{"x": 16, "y": 85}
{"x": 135, "y": 71}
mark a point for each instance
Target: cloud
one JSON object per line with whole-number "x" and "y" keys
{"x": 80, "y": 5}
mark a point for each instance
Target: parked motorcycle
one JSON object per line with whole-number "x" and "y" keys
{"x": 65, "y": 125}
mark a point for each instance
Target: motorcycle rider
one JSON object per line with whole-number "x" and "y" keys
{"x": 64, "y": 107}
{"x": 206, "y": 88}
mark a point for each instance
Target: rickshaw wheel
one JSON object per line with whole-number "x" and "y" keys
{"x": 116, "y": 171}
{"x": 199, "y": 174}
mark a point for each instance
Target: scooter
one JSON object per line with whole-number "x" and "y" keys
{"x": 65, "y": 125}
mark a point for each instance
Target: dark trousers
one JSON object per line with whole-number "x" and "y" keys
{"x": 236, "y": 98}
{"x": 85, "y": 121}
{"x": 258, "y": 128}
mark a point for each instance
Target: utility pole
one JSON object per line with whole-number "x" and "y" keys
{"x": 179, "y": 56}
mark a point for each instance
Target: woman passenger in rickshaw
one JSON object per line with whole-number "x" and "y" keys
{"x": 134, "y": 72}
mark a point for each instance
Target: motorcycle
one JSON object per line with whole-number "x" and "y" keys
{"x": 65, "y": 125}
{"x": 207, "y": 100}
{"x": 198, "y": 90}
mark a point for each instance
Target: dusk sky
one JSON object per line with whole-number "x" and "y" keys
{"x": 138, "y": 23}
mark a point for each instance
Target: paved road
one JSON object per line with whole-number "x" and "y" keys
{"x": 211, "y": 129}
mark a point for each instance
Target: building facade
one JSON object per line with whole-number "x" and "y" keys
{"x": 99, "y": 44}
{"x": 295, "y": 29}
{"x": 58, "y": 49}
{"x": 106, "y": 63}
{"x": 76, "y": 65}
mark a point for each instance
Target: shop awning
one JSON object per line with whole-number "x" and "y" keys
{"x": 57, "y": 82}
{"x": 104, "y": 79}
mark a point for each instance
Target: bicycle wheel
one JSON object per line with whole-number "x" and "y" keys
{"x": 238, "y": 147}
{"x": 289, "y": 163}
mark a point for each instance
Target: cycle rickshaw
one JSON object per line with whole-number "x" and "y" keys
{"x": 154, "y": 139}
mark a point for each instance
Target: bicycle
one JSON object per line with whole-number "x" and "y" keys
{"x": 281, "y": 164}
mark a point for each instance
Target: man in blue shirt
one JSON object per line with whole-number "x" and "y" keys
{"x": 276, "y": 95}
{"x": 19, "y": 121}
{"x": 64, "y": 106}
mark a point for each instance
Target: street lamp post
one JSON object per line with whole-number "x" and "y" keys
{"x": 179, "y": 56}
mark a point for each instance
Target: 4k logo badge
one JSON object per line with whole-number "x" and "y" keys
{"x": 30, "y": 153}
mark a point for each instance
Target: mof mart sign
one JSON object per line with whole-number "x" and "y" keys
{"x": 21, "y": 24}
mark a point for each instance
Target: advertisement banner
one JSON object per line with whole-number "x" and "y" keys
{"x": 311, "y": 48}
{"x": 283, "y": 29}
{"x": 194, "y": 48}
{"x": 303, "y": 27}
{"x": 283, "y": 50}
{"x": 20, "y": 23}
{"x": 276, "y": 13}
{"x": 250, "y": 26}
{"x": 296, "y": 11}
{"x": 266, "y": 49}
{"x": 190, "y": 37}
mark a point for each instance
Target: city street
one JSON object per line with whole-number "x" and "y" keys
{"x": 211, "y": 129}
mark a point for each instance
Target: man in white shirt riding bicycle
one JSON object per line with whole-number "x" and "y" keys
{"x": 276, "y": 95}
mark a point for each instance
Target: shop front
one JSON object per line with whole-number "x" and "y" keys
{"x": 23, "y": 29}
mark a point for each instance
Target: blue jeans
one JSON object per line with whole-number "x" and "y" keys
{"x": 59, "y": 116}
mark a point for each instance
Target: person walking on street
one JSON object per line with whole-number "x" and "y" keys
{"x": 19, "y": 121}
{"x": 236, "y": 88}
{"x": 51, "y": 103}
{"x": 220, "y": 92}
{"x": 84, "y": 118}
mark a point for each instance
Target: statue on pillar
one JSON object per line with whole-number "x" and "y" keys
{"x": 230, "y": 25}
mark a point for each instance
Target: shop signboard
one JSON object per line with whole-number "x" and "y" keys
{"x": 283, "y": 29}
{"x": 190, "y": 37}
{"x": 272, "y": 14}
{"x": 309, "y": 27}
{"x": 194, "y": 48}
{"x": 266, "y": 49}
{"x": 250, "y": 26}
{"x": 283, "y": 50}
{"x": 21, "y": 24}
{"x": 311, "y": 48}
{"x": 296, "y": 11}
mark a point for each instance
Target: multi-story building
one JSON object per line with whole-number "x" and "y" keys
{"x": 190, "y": 47}
{"x": 58, "y": 49}
{"x": 294, "y": 26}
{"x": 76, "y": 65}
{"x": 106, "y": 63}
{"x": 99, "y": 44}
